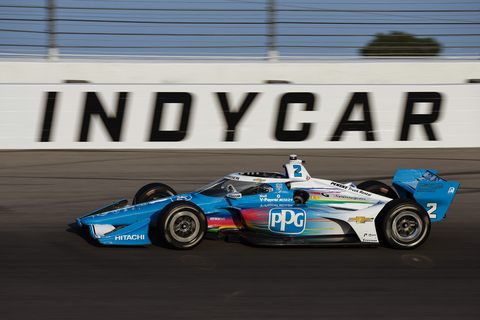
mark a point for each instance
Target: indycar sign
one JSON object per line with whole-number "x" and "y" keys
{"x": 86, "y": 116}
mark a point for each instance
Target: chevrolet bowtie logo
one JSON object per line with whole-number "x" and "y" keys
{"x": 360, "y": 219}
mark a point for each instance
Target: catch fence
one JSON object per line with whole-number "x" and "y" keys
{"x": 221, "y": 29}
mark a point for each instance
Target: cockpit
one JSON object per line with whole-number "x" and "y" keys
{"x": 222, "y": 187}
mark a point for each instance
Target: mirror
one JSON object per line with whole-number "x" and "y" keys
{"x": 234, "y": 195}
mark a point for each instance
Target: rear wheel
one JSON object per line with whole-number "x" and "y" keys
{"x": 153, "y": 191}
{"x": 405, "y": 224}
{"x": 182, "y": 225}
{"x": 379, "y": 188}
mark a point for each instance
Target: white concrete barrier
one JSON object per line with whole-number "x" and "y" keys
{"x": 358, "y": 71}
{"x": 131, "y": 116}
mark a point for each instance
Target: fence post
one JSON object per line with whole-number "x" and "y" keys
{"x": 272, "y": 47}
{"x": 52, "y": 42}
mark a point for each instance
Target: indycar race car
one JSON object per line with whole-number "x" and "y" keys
{"x": 280, "y": 209}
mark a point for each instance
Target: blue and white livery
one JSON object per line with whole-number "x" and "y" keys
{"x": 281, "y": 209}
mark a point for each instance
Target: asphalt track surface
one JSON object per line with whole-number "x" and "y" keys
{"x": 51, "y": 269}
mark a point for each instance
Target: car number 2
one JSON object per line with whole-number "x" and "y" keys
{"x": 298, "y": 170}
{"x": 433, "y": 208}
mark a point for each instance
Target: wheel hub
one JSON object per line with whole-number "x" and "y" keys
{"x": 184, "y": 226}
{"x": 407, "y": 227}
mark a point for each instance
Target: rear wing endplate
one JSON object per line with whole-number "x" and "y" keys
{"x": 434, "y": 193}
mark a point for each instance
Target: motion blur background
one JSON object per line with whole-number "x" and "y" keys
{"x": 132, "y": 51}
{"x": 249, "y": 29}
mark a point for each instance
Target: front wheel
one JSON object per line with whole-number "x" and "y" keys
{"x": 153, "y": 191}
{"x": 406, "y": 224}
{"x": 182, "y": 225}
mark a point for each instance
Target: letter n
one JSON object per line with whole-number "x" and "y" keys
{"x": 112, "y": 124}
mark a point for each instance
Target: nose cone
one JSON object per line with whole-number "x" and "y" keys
{"x": 124, "y": 216}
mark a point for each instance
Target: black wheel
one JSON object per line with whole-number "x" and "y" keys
{"x": 379, "y": 188}
{"x": 182, "y": 225}
{"x": 153, "y": 191}
{"x": 405, "y": 224}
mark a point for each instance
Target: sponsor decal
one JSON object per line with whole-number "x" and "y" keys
{"x": 430, "y": 176}
{"x": 360, "y": 219}
{"x": 184, "y": 198}
{"x": 287, "y": 221}
{"x": 259, "y": 180}
{"x": 348, "y": 188}
{"x": 326, "y": 196}
{"x": 451, "y": 190}
{"x": 217, "y": 219}
{"x": 278, "y": 199}
{"x": 130, "y": 237}
{"x": 276, "y": 205}
{"x": 369, "y": 237}
{"x": 336, "y": 184}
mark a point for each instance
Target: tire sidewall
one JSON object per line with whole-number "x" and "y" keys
{"x": 172, "y": 212}
{"x": 160, "y": 189}
{"x": 410, "y": 209}
{"x": 376, "y": 187}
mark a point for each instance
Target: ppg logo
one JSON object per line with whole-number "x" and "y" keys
{"x": 288, "y": 221}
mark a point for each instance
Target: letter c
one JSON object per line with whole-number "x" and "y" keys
{"x": 306, "y": 98}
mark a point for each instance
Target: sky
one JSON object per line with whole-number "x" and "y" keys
{"x": 233, "y": 28}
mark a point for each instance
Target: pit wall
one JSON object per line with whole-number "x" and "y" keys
{"x": 196, "y": 116}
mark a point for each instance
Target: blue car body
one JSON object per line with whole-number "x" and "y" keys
{"x": 271, "y": 208}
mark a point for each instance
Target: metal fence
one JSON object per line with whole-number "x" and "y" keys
{"x": 256, "y": 29}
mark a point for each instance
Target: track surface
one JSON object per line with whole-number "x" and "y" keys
{"x": 51, "y": 269}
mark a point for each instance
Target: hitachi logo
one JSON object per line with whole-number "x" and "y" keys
{"x": 130, "y": 237}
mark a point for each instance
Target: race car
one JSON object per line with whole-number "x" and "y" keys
{"x": 280, "y": 209}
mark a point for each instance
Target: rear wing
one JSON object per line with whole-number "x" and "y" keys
{"x": 425, "y": 187}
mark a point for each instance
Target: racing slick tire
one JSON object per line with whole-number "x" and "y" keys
{"x": 379, "y": 188}
{"x": 153, "y": 191}
{"x": 404, "y": 224}
{"x": 182, "y": 225}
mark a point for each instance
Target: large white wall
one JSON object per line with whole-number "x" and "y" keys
{"x": 361, "y": 71}
{"x": 293, "y": 116}
{"x": 327, "y": 104}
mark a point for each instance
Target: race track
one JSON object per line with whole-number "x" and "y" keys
{"x": 51, "y": 269}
